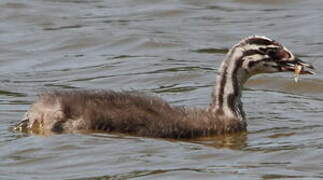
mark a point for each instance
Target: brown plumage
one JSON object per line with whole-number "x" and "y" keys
{"x": 146, "y": 115}
{"x": 126, "y": 112}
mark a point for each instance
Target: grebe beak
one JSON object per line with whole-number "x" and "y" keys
{"x": 297, "y": 65}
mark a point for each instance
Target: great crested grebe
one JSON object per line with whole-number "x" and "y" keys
{"x": 139, "y": 114}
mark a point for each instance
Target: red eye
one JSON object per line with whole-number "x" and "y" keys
{"x": 282, "y": 54}
{"x": 278, "y": 53}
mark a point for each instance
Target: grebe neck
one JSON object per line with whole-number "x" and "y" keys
{"x": 226, "y": 96}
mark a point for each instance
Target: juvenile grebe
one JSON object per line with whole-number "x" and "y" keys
{"x": 138, "y": 114}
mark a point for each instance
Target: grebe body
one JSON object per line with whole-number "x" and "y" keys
{"x": 138, "y": 114}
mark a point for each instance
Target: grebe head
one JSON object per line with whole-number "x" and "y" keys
{"x": 260, "y": 54}
{"x": 252, "y": 55}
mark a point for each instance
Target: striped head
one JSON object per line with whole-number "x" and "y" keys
{"x": 252, "y": 55}
{"x": 259, "y": 54}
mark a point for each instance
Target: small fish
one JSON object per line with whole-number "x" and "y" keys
{"x": 298, "y": 69}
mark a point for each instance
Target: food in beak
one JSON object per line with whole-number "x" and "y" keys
{"x": 297, "y": 71}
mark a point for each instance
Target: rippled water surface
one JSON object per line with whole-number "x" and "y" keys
{"x": 173, "y": 49}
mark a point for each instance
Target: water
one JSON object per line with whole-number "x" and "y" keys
{"x": 173, "y": 49}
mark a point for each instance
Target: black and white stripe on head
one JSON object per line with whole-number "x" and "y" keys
{"x": 263, "y": 55}
{"x": 259, "y": 40}
{"x": 255, "y": 54}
